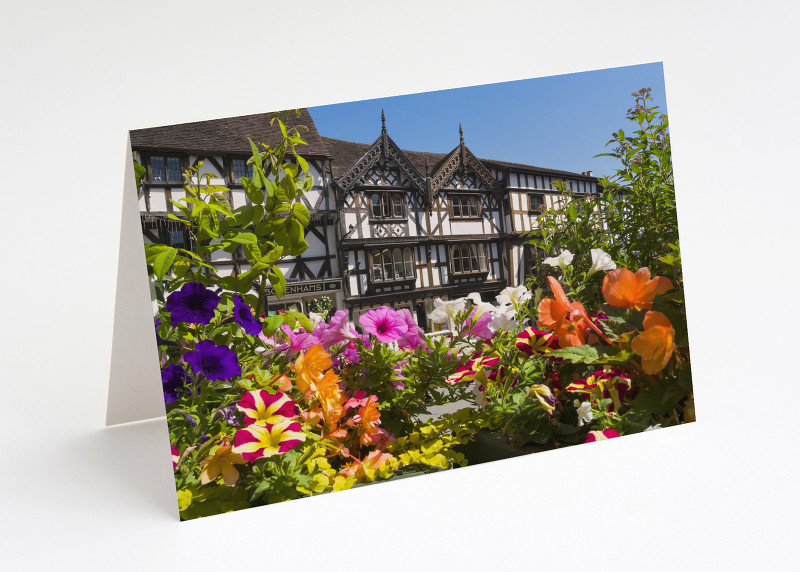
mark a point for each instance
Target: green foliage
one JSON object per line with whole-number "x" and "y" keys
{"x": 322, "y": 305}
{"x": 272, "y": 227}
{"x": 634, "y": 220}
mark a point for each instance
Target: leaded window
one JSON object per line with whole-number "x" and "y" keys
{"x": 387, "y": 205}
{"x": 165, "y": 169}
{"x": 535, "y": 203}
{"x": 392, "y": 264}
{"x": 241, "y": 169}
{"x": 468, "y": 258}
{"x": 466, "y": 206}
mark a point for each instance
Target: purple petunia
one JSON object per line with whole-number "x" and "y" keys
{"x": 384, "y": 324}
{"x": 193, "y": 304}
{"x": 244, "y": 317}
{"x": 173, "y": 379}
{"x": 218, "y": 363}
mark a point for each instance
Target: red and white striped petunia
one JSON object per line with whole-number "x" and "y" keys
{"x": 256, "y": 441}
{"x": 601, "y": 435}
{"x": 261, "y": 408}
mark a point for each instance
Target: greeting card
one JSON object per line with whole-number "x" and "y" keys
{"x": 357, "y": 293}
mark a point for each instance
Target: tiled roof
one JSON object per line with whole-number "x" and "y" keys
{"x": 228, "y": 135}
{"x": 344, "y": 155}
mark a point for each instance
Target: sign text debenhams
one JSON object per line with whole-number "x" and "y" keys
{"x": 309, "y": 287}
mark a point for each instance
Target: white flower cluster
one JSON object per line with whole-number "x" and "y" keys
{"x": 504, "y": 315}
{"x": 600, "y": 261}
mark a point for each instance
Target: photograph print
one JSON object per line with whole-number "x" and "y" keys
{"x": 367, "y": 291}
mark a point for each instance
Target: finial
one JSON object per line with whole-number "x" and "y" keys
{"x": 460, "y": 132}
{"x": 426, "y": 167}
{"x": 383, "y": 121}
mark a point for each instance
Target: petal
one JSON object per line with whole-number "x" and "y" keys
{"x": 620, "y": 288}
{"x": 558, "y": 292}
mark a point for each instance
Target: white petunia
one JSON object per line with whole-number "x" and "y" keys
{"x": 515, "y": 296}
{"x": 444, "y": 311}
{"x": 562, "y": 260}
{"x": 600, "y": 261}
{"x": 584, "y": 413}
{"x": 479, "y": 305}
{"x": 504, "y": 317}
{"x": 480, "y": 397}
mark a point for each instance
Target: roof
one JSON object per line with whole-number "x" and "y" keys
{"x": 344, "y": 154}
{"x": 228, "y": 135}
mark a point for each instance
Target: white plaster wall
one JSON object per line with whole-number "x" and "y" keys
{"x": 314, "y": 266}
{"x": 220, "y": 256}
{"x": 350, "y": 219}
{"x": 208, "y": 167}
{"x": 239, "y": 198}
{"x": 466, "y": 227}
{"x": 158, "y": 202}
{"x": 286, "y": 268}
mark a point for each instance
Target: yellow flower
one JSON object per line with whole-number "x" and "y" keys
{"x": 221, "y": 463}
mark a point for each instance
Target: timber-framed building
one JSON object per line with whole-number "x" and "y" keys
{"x": 389, "y": 226}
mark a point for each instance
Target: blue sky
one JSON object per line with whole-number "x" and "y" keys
{"x": 558, "y": 122}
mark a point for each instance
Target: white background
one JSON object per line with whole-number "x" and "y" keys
{"x": 720, "y": 494}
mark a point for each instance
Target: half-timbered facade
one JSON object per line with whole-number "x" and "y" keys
{"x": 389, "y": 226}
{"x": 222, "y": 146}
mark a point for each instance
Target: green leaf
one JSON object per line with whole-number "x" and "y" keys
{"x": 660, "y": 398}
{"x": 300, "y": 161}
{"x": 301, "y": 213}
{"x": 272, "y": 323}
{"x": 576, "y": 354}
{"x": 287, "y": 189}
{"x": 243, "y": 238}
{"x": 278, "y": 281}
{"x": 163, "y": 261}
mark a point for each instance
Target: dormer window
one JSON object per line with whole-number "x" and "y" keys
{"x": 165, "y": 169}
{"x": 387, "y": 205}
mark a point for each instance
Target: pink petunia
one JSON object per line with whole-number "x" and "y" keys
{"x": 414, "y": 336}
{"x": 299, "y": 341}
{"x": 337, "y": 331}
{"x": 477, "y": 327}
{"x": 384, "y": 324}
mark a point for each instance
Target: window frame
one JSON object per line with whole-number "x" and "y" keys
{"x": 248, "y": 170}
{"x": 470, "y": 258}
{"x": 165, "y": 158}
{"x": 388, "y": 202}
{"x": 541, "y": 204}
{"x": 386, "y": 260}
{"x": 469, "y": 202}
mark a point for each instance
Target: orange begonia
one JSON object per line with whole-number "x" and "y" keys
{"x": 331, "y": 398}
{"x": 624, "y": 289}
{"x": 567, "y": 320}
{"x": 309, "y": 367}
{"x": 656, "y": 344}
